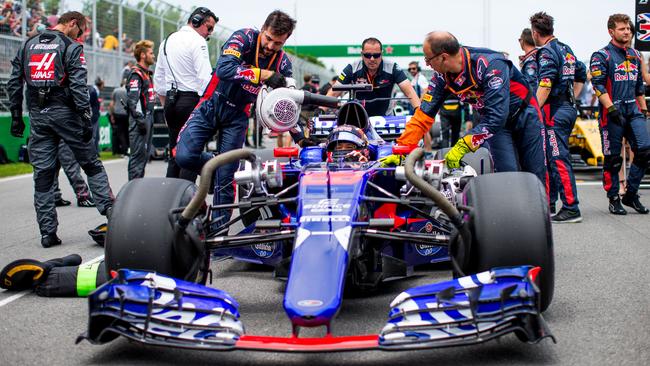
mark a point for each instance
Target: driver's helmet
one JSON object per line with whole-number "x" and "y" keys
{"x": 345, "y": 139}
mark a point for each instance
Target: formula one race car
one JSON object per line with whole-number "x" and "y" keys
{"x": 585, "y": 145}
{"x": 330, "y": 226}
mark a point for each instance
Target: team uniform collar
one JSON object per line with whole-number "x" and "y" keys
{"x": 623, "y": 50}
{"x": 257, "y": 53}
{"x": 143, "y": 68}
{"x": 465, "y": 80}
{"x": 528, "y": 54}
{"x": 371, "y": 78}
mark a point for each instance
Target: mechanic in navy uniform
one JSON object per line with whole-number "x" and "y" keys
{"x": 617, "y": 81}
{"x": 510, "y": 120}
{"x": 54, "y": 68}
{"x": 528, "y": 62}
{"x": 579, "y": 79}
{"x": 556, "y": 65}
{"x": 249, "y": 58}
{"x": 382, "y": 74}
{"x": 140, "y": 100}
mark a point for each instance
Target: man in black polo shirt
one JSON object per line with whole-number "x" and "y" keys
{"x": 382, "y": 74}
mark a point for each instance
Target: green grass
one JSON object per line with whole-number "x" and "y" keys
{"x": 8, "y": 170}
{"x": 107, "y": 155}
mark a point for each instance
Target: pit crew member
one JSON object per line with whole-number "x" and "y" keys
{"x": 382, "y": 74}
{"x": 510, "y": 120}
{"x": 616, "y": 77}
{"x": 528, "y": 62}
{"x": 140, "y": 100}
{"x": 54, "y": 68}
{"x": 249, "y": 58}
{"x": 556, "y": 64}
{"x": 183, "y": 70}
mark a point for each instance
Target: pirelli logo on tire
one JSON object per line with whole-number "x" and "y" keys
{"x": 41, "y": 66}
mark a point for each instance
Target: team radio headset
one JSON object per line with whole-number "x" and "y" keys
{"x": 196, "y": 20}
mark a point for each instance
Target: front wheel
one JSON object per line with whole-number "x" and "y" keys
{"x": 510, "y": 226}
{"x": 140, "y": 235}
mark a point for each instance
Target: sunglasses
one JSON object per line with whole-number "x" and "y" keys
{"x": 371, "y": 55}
{"x": 210, "y": 29}
{"x": 413, "y": 68}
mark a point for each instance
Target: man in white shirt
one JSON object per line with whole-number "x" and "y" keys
{"x": 183, "y": 71}
{"x": 418, "y": 81}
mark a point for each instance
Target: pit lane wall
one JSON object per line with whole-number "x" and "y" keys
{"x": 12, "y": 144}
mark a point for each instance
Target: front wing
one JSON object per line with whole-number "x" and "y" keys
{"x": 160, "y": 310}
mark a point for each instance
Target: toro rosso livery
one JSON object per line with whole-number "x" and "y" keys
{"x": 343, "y": 225}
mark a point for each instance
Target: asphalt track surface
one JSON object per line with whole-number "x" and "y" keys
{"x": 600, "y": 313}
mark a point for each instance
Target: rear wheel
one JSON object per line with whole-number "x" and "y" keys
{"x": 511, "y": 226}
{"x": 140, "y": 235}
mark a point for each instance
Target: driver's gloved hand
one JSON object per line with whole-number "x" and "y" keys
{"x": 453, "y": 156}
{"x": 276, "y": 80}
{"x": 17, "y": 124}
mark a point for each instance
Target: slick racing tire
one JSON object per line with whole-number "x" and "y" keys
{"x": 480, "y": 160}
{"x": 140, "y": 235}
{"x": 511, "y": 226}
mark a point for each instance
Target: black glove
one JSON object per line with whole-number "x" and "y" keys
{"x": 308, "y": 141}
{"x": 614, "y": 115}
{"x": 17, "y": 124}
{"x": 142, "y": 126}
{"x": 276, "y": 80}
{"x": 86, "y": 127}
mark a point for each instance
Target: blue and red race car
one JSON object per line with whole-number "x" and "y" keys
{"x": 328, "y": 227}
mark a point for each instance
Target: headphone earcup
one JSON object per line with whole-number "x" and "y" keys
{"x": 199, "y": 16}
{"x": 197, "y": 20}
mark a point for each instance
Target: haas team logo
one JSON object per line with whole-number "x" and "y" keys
{"x": 41, "y": 66}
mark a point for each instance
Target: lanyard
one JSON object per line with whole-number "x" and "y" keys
{"x": 257, "y": 51}
{"x": 370, "y": 79}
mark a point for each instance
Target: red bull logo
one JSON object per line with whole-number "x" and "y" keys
{"x": 626, "y": 70}
{"x": 479, "y": 138}
{"x": 627, "y": 66}
{"x": 570, "y": 59}
{"x": 247, "y": 74}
